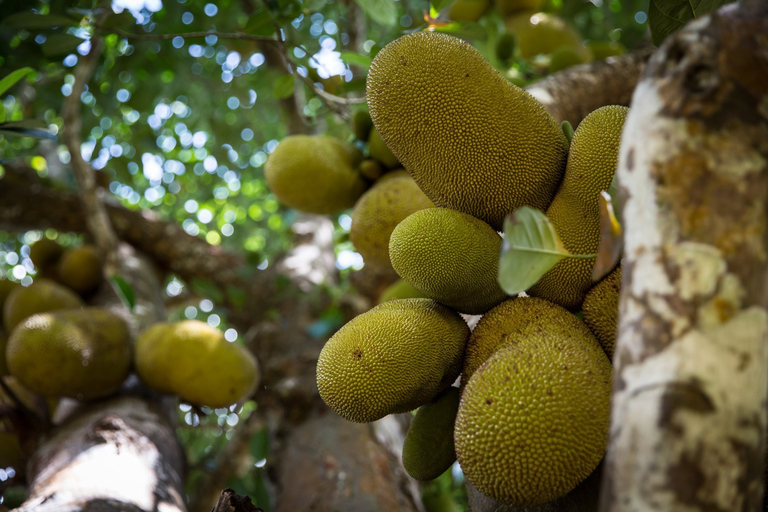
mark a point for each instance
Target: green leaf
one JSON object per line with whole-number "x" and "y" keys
{"x": 567, "y": 130}
{"x": 32, "y": 21}
{"x": 207, "y": 289}
{"x": 314, "y": 5}
{"x": 531, "y": 247}
{"x": 124, "y": 20}
{"x": 123, "y": 290}
{"x": 57, "y": 44}
{"x": 356, "y": 59}
{"x": 236, "y": 295}
{"x": 383, "y": 12}
{"x": 283, "y": 86}
{"x": 439, "y": 5}
{"x": 10, "y": 79}
{"x": 665, "y": 17}
{"x": 611, "y": 240}
{"x": 20, "y": 131}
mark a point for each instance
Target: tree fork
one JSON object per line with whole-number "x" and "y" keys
{"x": 689, "y": 401}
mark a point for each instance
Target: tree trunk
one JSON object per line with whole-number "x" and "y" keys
{"x": 689, "y": 403}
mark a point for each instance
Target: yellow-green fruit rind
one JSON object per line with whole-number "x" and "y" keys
{"x": 315, "y": 173}
{"x": 604, "y": 49}
{"x": 511, "y": 320}
{"x": 601, "y": 310}
{"x": 194, "y": 361}
{"x": 574, "y": 213}
{"x": 80, "y": 269}
{"x": 379, "y": 211}
{"x": 83, "y": 353}
{"x": 39, "y": 297}
{"x": 468, "y": 10}
{"x": 541, "y": 33}
{"x": 472, "y": 141}
{"x": 449, "y": 256}
{"x": 508, "y": 7}
{"x": 428, "y": 450}
{"x": 400, "y": 289}
{"x": 361, "y": 124}
{"x": 45, "y": 253}
{"x": 533, "y": 419}
{"x": 391, "y": 359}
{"x": 565, "y": 57}
{"x": 378, "y": 149}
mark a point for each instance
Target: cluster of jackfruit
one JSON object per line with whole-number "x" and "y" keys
{"x": 530, "y": 419}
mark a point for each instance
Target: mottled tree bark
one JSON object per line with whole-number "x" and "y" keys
{"x": 689, "y": 404}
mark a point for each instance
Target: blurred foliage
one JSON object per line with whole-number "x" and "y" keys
{"x": 183, "y": 126}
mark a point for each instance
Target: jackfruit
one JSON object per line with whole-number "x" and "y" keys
{"x": 45, "y": 253}
{"x": 82, "y": 353}
{"x": 472, "y": 141}
{"x": 391, "y": 359}
{"x": 80, "y": 269}
{"x": 194, "y": 361}
{"x": 511, "y": 320}
{"x": 505, "y": 47}
{"x": 371, "y": 169}
{"x": 6, "y": 287}
{"x": 450, "y": 257}
{"x": 379, "y": 150}
{"x": 468, "y": 10}
{"x": 428, "y": 450}
{"x": 600, "y": 310}
{"x": 379, "y": 211}
{"x": 40, "y": 297}
{"x": 574, "y": 213}
{"x": 533, "y": 419}
{"x": 604, "y": 49}
{"x": 315, "y": 173}
{"x": 541, "y": 33}
{"x": 508, "y": 7}
{"x": 361, "y": 124}
{"x": 400, "y": 289}
{"x": 565, "y": 57}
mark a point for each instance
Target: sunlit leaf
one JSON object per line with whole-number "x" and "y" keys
{"x": 611, "y": 240}
{"x": 383, "y": 12}
{"x": 56, "y": 44}
{"x": 32, "y": 21}
{"x": 665, "y": 17}
{"x": 283, "y": 86}
{"x": 356, "y": 59}
{"x": 123, "y": 290}
{"x": 9, "y": 80}
{"x": 439, "y": 5}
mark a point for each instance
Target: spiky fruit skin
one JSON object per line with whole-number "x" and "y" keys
{"x": 574, "y": 213}
{"x": 80, "y": 269}
{"x": 193, "y": 360}
{"x": 379, "y": 211}
{"x": 83, "y": 353}
{"x": 428, "y": 450}
{"x": 315, "y": 173}
{"x": 509, "y": 7}
{"x": 378, "y": 150}
{"x": 449, "y": 256}
{"x": 601, "y": 310}
{"x": 541, "y": 33}
{"x": 472, "y": 141}
{"x": 533, "y": 419}
{"x": 400, "y": 289}
{"x": 391, "y": 359}
{"x": 512, "y": 320}
{"x": 468, "y": 10}
{"x": 45, "y": 253}
{"x": 40, "y": 297}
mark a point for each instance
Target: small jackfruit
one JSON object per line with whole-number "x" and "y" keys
{"x": 574, "y": 212}
{"x": 428, "y": 450}
{"x": 378, "y": 150}
{"x": 391, "y": 359}
{"x": 565, "y": 57}
{"x": 82, "y": 353}
{"x": 361, "y": 124}
{"x": 604, "y": 49}
{"x": 472, "y": 141}
{"x": 40, "y": 297}
{"x": 379, "y": 211}
{"x": 510, "y": 320}
{"x": 449, "y": 256}
{"x": 371, "y": 169}
{"x": 541, "y": 33}
{"x": 533, "y": 419}
{"x": 80, "y": 269}
{"x": 601, "y": 310}
{"x": 468, "y": 10}
{"x": 400, "y": 289}
{"x": 6, "y": 287}
{"x": 315, "y": 173}
{"x": 505, "y": 46}
{"x": 193, "y": 360}
{"x": 45, "y": 253}
{"x": 509, "y": 7}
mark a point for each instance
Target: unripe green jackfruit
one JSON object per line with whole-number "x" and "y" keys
{"x": 41, "y": 296}
{"x": 575, "y": 213}
{"x": 449, "y": 256}
{"x": 391, "y": 359}
{"x": 400, "y": 289}
{"x": 601, "y": 310}
{"x": 541, "y": 33}
{"x": 508, "y": 7}
{"x": 378, "y": 150}
{"x": 468, "y": 10}
{"x": 45, "y": 253}
{"x": 472, "y": 141}
{"x": 80, "y": 269}
{"x": 428, "y": 450}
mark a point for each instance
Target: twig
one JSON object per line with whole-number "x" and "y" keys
{"x": 189, "y": 35}
{"x": 96, "y": 216}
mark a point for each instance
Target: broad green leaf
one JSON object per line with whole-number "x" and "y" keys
{"x": 124, "y": 290}
{"x": 2, "y": 113}
{"x": 124, "y": 20}
{"x": 15, "y": 131}
{"x": 56, "y": 44}
{"x": 383, "y": 12}
{"x": 531, "y": 247}
{"x": 356, "y": 59}
{"x": 665, "y": 17}
{"x": 10, "y": 79}
{"x": 32, "y": 21}
{"x": 611, "y": 240}
{"x": 439, "y": 5}
{"x": 283, "y": 86}
{"x": 314, "y": 5}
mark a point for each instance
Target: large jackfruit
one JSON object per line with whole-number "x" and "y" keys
{"x": 391, "y": 359}
{"x": 41, "y": 296}
{"x": 315, "y": 173}
{"x": 379, "y": 211}
{"x": 449, "y": 256}
{"x": 533, "y": 419}
{"x": 428, "y": 450}
{"x": 80, "y": 353}
{"x": 601, "y": 310}
{"x": 472, "y": 141}
{"x": 575, "y": 213}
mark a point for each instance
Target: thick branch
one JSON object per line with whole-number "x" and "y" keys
{"x": 691, "y": 365}
{"x": 571, "y": 94}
